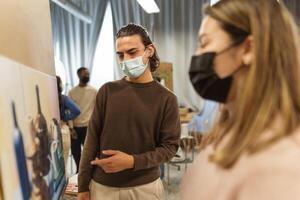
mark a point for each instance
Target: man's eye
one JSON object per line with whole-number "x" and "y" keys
{"x": 132, "y": 53}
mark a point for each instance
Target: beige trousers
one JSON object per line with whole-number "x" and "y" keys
{"x": 150, "y": 191}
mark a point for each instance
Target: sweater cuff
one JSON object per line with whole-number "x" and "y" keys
{"x": 84, "y": 185}
{"x": 139, "y": 162}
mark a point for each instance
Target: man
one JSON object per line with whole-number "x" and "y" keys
{"x": 134, "y": 128}
{"x": 84, "y": 96}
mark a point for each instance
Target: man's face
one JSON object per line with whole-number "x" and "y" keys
{"x": 130, "y": 47}
{"x": 84, "y": 76}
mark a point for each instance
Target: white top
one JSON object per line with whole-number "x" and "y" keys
{"x": 85, "y": 98}
{"x": 272, "y": 174}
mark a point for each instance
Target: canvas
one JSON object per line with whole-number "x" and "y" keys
{"x": 32, "y": 134}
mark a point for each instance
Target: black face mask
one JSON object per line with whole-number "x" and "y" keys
{"x": 205, "y": 80}
{"x": 85, "y": 79}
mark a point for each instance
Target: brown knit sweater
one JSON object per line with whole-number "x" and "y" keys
{"x": 139, "y": 119}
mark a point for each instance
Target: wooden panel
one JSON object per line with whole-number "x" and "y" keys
{"x": 165, "y": 73}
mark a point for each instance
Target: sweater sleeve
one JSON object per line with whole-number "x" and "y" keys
{"x": 71, "y": 110}
{"x": 169, "y": 139}
{"x": 92, "y": 143}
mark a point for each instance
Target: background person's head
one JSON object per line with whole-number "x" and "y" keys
{"x": 59, "y": 84}
{"x": 264, "y": 64}
{"x": 84, "y": 75}
{"x": 133, "y": 41}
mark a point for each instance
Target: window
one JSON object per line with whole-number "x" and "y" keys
{"x": 61, "y": 72}
{"x": 103, "y": 68}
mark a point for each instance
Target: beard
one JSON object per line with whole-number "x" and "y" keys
{"x": 85, "y": 79}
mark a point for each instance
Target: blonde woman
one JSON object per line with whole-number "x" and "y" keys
{"x": 248, "y": 59}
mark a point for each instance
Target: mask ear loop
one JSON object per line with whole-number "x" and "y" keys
{"x": 148, "y": 57}
{"x": 235, "y": 43}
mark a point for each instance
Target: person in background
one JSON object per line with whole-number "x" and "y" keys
{"x": 248, "y": 59}
{"x": 68, "y": 111}
{"x": 84, "y": 96}
{"x": 134, "y": 128}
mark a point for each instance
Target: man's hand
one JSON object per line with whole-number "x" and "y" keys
{"x": 73, "y": 133}
{"x": 83, "y": 196}
{"x": 118, "y": 161}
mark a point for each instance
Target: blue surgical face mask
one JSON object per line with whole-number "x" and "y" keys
{"x": 133, "y": 68}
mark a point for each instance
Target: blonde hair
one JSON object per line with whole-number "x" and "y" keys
{"x": 271, "y": 87}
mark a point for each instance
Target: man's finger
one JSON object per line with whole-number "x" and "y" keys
{"x": 108, "y": 169}
{"x": 111, "y": 171}
{"x": 110, "y": 152}
{"x": 100, "y": 162}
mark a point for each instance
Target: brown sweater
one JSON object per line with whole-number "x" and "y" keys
{"x": 139, "y": 119}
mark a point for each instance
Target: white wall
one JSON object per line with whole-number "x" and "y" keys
{"x": 25, "y": 33}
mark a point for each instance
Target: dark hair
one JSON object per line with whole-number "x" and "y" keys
{"x": 80, "y": 70}
{"x": 58, "y": 79}
{"x": 135, "y": 29}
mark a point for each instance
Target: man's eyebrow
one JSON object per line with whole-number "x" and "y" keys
{"x": 130, "y": 50}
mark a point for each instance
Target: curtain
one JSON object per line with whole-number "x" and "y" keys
{"x": 294, "y": 8}
{"x": 174, "y": 32}
{"x": 74, "y": 40}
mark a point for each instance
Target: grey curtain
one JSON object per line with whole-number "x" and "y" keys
{"x": 174, "y": 31}
{"x": 294, "y": 7}
{"x": 74, "y": 40}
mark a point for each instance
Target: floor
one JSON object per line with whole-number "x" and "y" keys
{"x": 171, "y": 187}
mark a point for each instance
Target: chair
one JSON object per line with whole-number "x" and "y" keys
{"x": 187, "y": 145}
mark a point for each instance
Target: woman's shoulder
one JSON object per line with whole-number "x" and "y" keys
{"x": 274, "y": 171}
{"x": 278, "y": 162}
{"x": 271, "y": 172}
{"x": 284, "y": 153}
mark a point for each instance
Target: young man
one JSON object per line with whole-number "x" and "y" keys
{"x": 84, "y": 96}
{"x": 134, "y": 128}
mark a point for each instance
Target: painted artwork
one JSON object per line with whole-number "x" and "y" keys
{"x": 11, "y": 94}
{"x": 33, "y": 138}
{"x": 1, "y": 189}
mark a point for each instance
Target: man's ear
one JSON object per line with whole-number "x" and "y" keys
{"x": 151, "y": 50}
{"x": 248, "y": 44}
